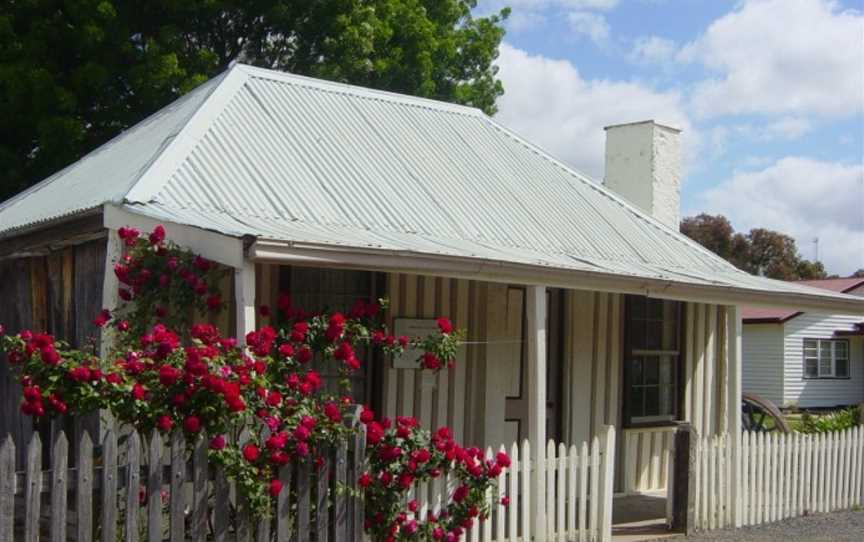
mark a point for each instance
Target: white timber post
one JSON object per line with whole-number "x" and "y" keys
{"x": 110, "y": 288}
{"x": 536, "y": 337}
{"x": 733, "y": 389}
{"x": 244, "y": 295}
{"x": 607, "y": 484}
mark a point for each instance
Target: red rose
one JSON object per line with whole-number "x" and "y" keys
{"x": 102, "y": 318}
{"x": 275, "y": 488}
{"x": 264, "y": 311}
{"x": 364, "y": 480}
{"x": 302, "y": 449}
{"x": 138, "y": 392}
{"x": 217, "y": 442}
{"x": 214, "y": 303}
{"x": 403, "y": 341}
{"x": 367, "y": 415}
{"x": 157, "y": 235}
{"x": 168, "y": 375}
{"x": 502, "y": 459}
{"x": 444, "y": 325}
{"x": 460, "y": 493}
{"x": 250, "y": 452}
{"x": 406, "y": 480}
{"x": 331, "y": 410}
{"x": 505, "y": 501}
{"x": 304, "y": 355}
{"x": 192, "y": 424}
{"x": 374, "y": 433}
{"x": 431, "y": 361}
{"x": 164, "y": 423}
{"x": 49, "y": 355}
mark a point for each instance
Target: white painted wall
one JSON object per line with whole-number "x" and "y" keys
{"x": 762, "y": 366}
{"x": 643, "y": 164}
{"x": 820, "y": 392}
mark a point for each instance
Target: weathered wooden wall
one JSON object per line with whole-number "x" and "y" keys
{"x": 59, "y": 292}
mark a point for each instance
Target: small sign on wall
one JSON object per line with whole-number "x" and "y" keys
{"x": 412, "y": 328}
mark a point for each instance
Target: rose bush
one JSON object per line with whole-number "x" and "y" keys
{"x": 165, "y": 373}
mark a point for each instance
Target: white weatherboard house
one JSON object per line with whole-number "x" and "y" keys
{"x": 585, "y": 308}
{"x": 805, "y": 359}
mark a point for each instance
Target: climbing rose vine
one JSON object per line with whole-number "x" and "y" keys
{"x": 168, "y": 374}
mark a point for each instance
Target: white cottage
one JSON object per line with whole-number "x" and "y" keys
{"x": 805, "y": 359}
{"x": 585, "y": 308}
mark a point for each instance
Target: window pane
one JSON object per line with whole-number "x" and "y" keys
{"x": 651, "y": 371}
{"x": 637, "y": 335}
{"x": 841, "y": 349}
{"x": 652, "y": 401}
{"x": 667, "y": 372}
{"x": 636, "y": 372}
{"x": 655, "y": 309}
{"x": 810, "y": 343}
{"x": 654, "y": 335}
{"x": 824, "y": 367}
{"x": 667, "y": 396}
{"x": 841, "y": 367}
{"x": 810, "y": 369}
{"x": 637, "y": 407}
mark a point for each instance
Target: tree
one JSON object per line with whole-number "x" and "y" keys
{"x": 75, "y": 73}
{"x": 761, "y": 251}
{"x": 858, "y": 274}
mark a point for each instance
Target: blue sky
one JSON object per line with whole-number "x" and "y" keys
{"x": 769, "y": 94}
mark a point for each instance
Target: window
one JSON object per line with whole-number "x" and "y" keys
{"x": 651, "y": 367}
{"x": 826, "y": 358}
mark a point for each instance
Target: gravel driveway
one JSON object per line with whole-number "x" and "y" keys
{"x": 836, "y": 527}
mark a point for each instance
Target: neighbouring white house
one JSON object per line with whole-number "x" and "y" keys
{"x": 585, "y": 307}
{"x": 807, "y": 359}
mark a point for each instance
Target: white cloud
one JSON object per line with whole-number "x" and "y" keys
{"x": 783, "y": 57}
{"x": 550, "y": 103}
{"x": 600, "y": 5}
{"x": 652, "y": 50}
{"x": 804, "y": 198}
{"x": 591, "y": 25}
{"x": 519, "y": 21}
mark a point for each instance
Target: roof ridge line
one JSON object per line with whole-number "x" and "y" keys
{"x": 358, "y": 90}
{"x": 159, "y": 171}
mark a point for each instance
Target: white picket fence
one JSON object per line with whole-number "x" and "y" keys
{"x": 578, "y": 493}
{"x": 781, "y": 476}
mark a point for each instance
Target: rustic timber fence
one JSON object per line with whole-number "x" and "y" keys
{"x": 128, "y": 489}
{"x": 781, "y": 476}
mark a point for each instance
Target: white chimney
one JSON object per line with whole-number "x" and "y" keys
{"x": 643, "y": 164}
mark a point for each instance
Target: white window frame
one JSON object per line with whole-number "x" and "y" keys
{"x": 821, "y": 345}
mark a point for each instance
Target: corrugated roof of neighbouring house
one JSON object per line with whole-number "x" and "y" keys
{"x": 282, "y": 157}
{"x": 756, "y": 315}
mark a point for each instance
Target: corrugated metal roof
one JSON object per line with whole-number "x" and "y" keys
{"x": 107, "y": 173}
{"x": 755, "y": 315}
{"x": 282, "y": 157}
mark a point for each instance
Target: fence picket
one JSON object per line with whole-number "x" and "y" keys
{"x": 321, "y": 495}
{"x": 500, "y": 511}
{"x": 304, "y": 488}
{"x": 133, "y": 483}
{"x": 561, "y": 493}
{"x": 513, "y": 491}
{"x": 572, "y": 458}
{"x": 177, "y": 495}
{"x": 109, "y": 487}
{"x": 59, "y": 483}
{"x": 83, "y": 489}
{"x": 782, "y": 476}
{"x": 594, "y": 505}
{"x": 200, "y": 474}
{"x": 154, "y": 488}
{"x": 549, "y": 467}
{"x": 584, "y": 459}
{"x": 33, "y": 484}
{"x": 525, "y": 490}
{"x": 856, "y": 467}
{"x": 7, "y": 489}
{"x": 221, "y": 492}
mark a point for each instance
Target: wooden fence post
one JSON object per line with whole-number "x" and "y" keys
{"x": 607, "y": 486}
{"x": 684, "y": 480}
{"x": 7, "y": 489}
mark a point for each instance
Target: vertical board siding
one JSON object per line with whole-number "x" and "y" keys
{"x": 785, "y": 475}
{"x": 59, "y": 293}
{"x": 592, "y": 363}
{"x": 705, "y": 371}
{"x": 762, "y": 366}
{"x": 451, "y": 398}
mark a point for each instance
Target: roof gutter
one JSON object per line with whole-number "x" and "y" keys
{"x": 267, "y": 251}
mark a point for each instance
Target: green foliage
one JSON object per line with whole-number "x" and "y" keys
{"x": 760, "y": 252}
{"x": 839, "y": 420}
{"x": 74, "y": 74}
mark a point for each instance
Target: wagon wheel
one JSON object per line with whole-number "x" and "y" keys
{"x": 761, "y": 415}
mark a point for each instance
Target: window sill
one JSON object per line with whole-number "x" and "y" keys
{"x": 817, "y": 378}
